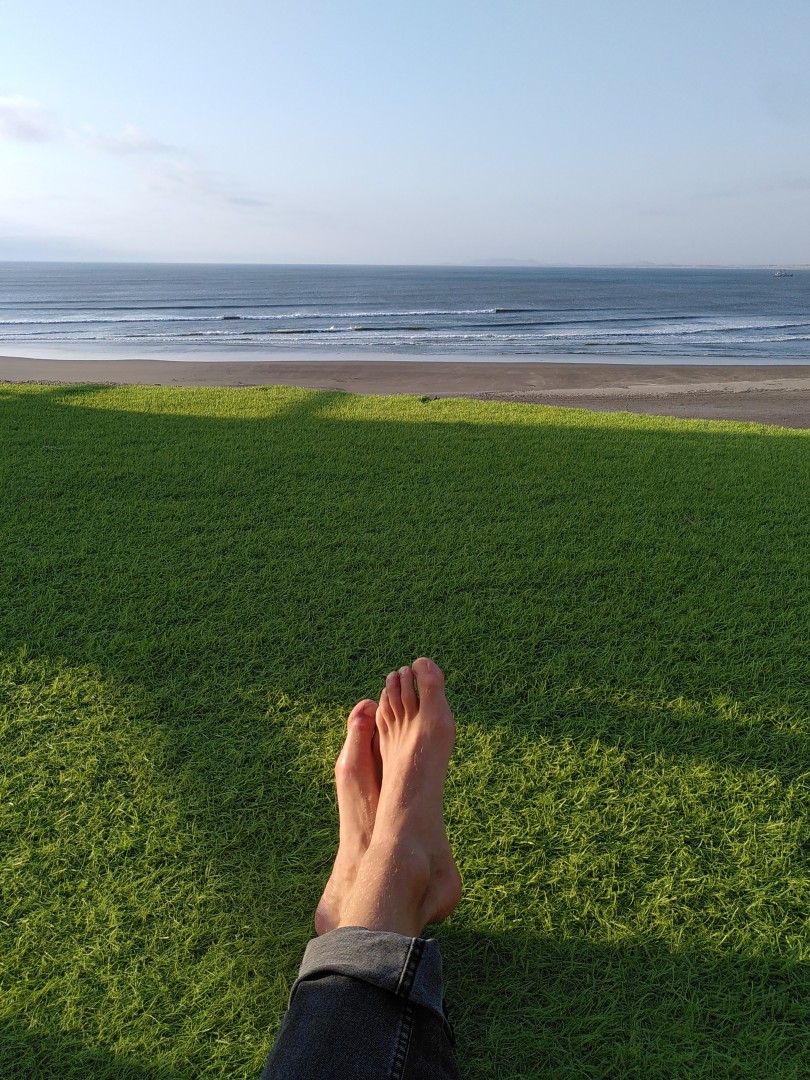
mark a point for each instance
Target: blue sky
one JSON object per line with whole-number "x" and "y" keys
{"x": 444, "y": 132}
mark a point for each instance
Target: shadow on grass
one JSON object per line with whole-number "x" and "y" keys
{"x": 572, "y": 1009}
{"x": 249, "y": 577}
{"x": 29, "y": 1055}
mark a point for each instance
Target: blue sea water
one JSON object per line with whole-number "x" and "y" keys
{"x": 461, "y": 313}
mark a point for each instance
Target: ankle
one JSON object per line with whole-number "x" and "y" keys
{"x": 390, "y": 889}
{"x": 401, "y": 861}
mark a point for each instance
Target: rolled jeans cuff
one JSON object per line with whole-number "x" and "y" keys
{"x": 408, "y": 967}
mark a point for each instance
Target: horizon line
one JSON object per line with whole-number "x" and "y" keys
{"x": 480, "y": 264}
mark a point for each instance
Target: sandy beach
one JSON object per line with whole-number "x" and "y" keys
{"x": 764, "y": 394}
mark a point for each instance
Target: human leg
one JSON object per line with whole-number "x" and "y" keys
{"x": 367, "y": 1005}
{"x": 368, "y": 999}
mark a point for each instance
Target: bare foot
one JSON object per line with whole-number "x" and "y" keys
{"x": 407, "y": 877}
{"x": 358, "y": 774}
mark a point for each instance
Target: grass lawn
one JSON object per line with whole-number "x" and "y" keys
{"x": 198, "y": 584}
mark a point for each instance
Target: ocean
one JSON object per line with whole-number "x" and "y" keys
{"x": 474, "y": 313}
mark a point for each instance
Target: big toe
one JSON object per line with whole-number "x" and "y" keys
{"x": 357, "y": 755}
{"x": 362, "y": 716}
{"x": 429, "y": 678}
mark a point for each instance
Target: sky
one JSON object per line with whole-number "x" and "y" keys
{"x": 591, "y": 132}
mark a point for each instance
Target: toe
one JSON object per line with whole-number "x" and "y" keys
{"x": 394, "y": 691}
{"x": 357, "y": 755}
{"x": 429, "y": 679}
{"x": 363, "y": 714}
{"x": 407, "y": 691}
{"x": 385, "y": 714}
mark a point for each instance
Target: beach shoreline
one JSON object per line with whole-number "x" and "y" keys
{"x": 769, "y": 394}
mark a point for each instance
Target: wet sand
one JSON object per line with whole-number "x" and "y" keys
{"x": 765, "y": 394}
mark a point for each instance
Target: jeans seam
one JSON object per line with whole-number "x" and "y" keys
{"x": 403, "y": 1042}
{"x": 408, "y": 976}
{"x": 404, "y": 987}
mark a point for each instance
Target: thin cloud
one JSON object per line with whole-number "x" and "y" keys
{"x": 184, "y": 178}
{"x": 170, "y": 170}
{"x": 254, "y": 201}
{"x": 131, "y": 141}
{"x": 23, "y": 119}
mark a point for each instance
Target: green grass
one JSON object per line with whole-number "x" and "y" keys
{"x": 198, "y": 584}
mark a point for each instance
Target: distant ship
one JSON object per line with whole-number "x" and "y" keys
{"x": 783, "y": 273}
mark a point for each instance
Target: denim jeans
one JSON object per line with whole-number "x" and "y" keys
{"x": 367, "y": 1005}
